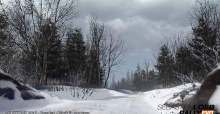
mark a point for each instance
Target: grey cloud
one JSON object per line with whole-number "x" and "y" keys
{"x": 155, "y": 10}
{"x": 142, "y": 23}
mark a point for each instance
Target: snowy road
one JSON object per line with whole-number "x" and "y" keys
{"x": 97, "y": 101}
{"x": 131, "y": 104}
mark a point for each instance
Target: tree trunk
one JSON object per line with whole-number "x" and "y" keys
{"x": 98, "y": 69}
{"x": 109, "y": 70}
{"x": 43, "y": 80}
{"x": 109, "y": 65}
{"x": 90, "y": 71}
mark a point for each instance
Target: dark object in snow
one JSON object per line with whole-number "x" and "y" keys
{"x": 7, "y": 93}
{"x": 28, "y": 95}
{"x": 26, "y": 92}
{"x": 45, "y": 87}
{"x": 182, "y": 96}
{"x": 126, "y": 91}
{"x": 206, "y": 90}
{"x": 178, "y": 98}
{"x": 9, "y": 78}
{"x": 194, "y": 85}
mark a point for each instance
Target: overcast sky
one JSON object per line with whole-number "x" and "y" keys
{"x": 141, "y": 23}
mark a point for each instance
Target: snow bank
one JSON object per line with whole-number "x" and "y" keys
{"x": 78, "y": 94}
{"x": 99, "y": 101}
{"x": 162, "y": 96}
{"x": 159, "y": 97}
{"x": 215, "y": 98}
{"x": 11, "y": 98}
{"x": 1, "y": 71}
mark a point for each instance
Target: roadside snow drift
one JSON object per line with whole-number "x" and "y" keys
{"x": 161, "y": 99}
{"x": 78, "y": 93}
{"x": 14, "y": 95}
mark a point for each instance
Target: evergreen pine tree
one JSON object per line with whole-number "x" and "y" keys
{"x": 136, "y": 82}
{"x": 165, "y": 67}
{"x": 136, "y": 86}
{"x": 55, "y": 61}
{"x": 75, "y": 53}
{"x": 128, "y": 81}
{"x": 6, "y": 46}
{"x": 143, "y": 80}
{"x": 184, "y": 60}
{"x": 205, "y": 36}
{"x": 113, "y": 83}
{"x": 202, "y": 45}
{"x": 152, "y": 80}
{"x": 123, "y": 83}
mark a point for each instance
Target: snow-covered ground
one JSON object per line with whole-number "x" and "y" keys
{"x": 215, "y": 98}
{"x": 157, "y": 98}
{"x": 98, "y": 101}
{"x": 79, "y": 94}
{"x": 116, "y": 103}
{"x": 17, "y": 102}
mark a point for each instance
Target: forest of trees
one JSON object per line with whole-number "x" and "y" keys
{"x": 184, "y": 58}
{"x": 38, "y": 47}
{"x": 143, "y": 79}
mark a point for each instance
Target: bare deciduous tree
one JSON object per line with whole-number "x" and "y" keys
{"x": 96, "y": 40}
{"x": 26, "y": 19}
{"x": 114, "y": 54}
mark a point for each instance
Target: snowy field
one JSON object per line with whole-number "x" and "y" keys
{"x": 97, "y": 101}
